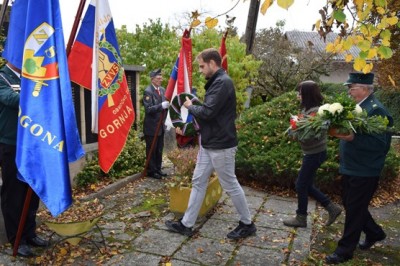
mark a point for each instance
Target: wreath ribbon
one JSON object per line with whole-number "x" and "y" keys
{"x": 188, "y": 128}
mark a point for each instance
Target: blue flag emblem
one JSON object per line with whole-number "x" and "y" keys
{"x": 48, "y": 137}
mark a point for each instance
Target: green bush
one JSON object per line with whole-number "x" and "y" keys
{"x": 391, "y": 99}
{"x": 268, "y": 157}
{"x": 131, "y": 161}
{"x": 333, "y": 88}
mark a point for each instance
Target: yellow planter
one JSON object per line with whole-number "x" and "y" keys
{"x": 179, "y": 198}
{"x": 73, "y": 231}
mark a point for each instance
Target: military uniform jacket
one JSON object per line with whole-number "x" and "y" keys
{"x": 153, "y": 111}
{"x": 365, "y": 155}
{"x": 9, "y": 103}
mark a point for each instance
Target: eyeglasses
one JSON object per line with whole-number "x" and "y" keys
{"x": 352, "y": 88}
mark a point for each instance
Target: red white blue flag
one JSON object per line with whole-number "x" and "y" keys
{"x": 222, "y": 51}
{"x": 95, "y": 63}
{"x": 181, "y": 81}
{"x": 48, "y": 137}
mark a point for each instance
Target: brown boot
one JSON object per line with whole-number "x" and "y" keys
{"x": 334, "y": 211}
{"x": 299, "y": 220}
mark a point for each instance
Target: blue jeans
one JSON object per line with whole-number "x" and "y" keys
{"x": 305, "y": 182}
{"x": 223, "y": 162}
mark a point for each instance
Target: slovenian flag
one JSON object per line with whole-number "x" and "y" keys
{"x": 95, "y": 63}
{"x": 181, "y": 81}
{"x": 48, "y": 137}
{"x": 181, "y": 75}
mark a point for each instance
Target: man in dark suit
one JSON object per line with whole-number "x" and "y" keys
{"x": 362, "y": 157}
{"x": 13, "y": 191}
{"x": 155, "y": 107}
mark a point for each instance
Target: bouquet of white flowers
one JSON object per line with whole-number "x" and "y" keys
{"x": 339, "y": 118}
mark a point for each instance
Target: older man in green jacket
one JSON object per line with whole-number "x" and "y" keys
{"x": 13, "y": 191}
{"x": 362, "y": 157}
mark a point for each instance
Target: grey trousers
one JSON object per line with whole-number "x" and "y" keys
{"x": 223, "y": 162}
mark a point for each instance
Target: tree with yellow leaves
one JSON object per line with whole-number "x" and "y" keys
{"x": 367, "y": 24}
{"x": 389, "y": 70}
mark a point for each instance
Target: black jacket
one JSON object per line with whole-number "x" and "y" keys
{"x": 217, "y": 115}
{"x": 153, "y": 111}
{"x": 9, "y": 103}
{"x": 366, "y": 154}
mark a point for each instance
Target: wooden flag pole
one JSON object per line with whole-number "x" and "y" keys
{"x": 154, "y": 142}
{"x": 3, "y": 12}
{"x": 28, "y": 196}
{"x": 29, "y": 192}
{"x": 158, "y": 126}
{"x": 22, "y": 220}
{"x": 75, "y": 26}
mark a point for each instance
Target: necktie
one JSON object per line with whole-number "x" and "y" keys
{"x": 158, "y": 91}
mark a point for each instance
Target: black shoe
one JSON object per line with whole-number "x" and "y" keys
{"x": 162, "y": 173}
{"x": 25, "y": 251}
{"x": 242, "y": 231}
{"x": 37, "y": 242}
{"x": 155, "y": 176}
{"x": 367, "y": 244}
{"x": 178, "y": 227}
{"x": 336, "y": 258}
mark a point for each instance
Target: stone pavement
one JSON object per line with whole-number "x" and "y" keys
{"x": 273, "y": 244}
{"x": 211, "y": 247}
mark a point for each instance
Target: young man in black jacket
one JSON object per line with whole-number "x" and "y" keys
{"x": 216, "y": 117}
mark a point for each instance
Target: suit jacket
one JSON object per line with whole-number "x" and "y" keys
{"x": 365, "y": 155}
{"x": 153, "y": 110}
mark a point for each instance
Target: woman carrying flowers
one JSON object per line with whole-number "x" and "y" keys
{"x": 314, "y": 150}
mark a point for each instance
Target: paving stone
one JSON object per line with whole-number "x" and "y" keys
{"x": 269, "y": 239}
{"x": 124, "y": 237}
{"x": 135, "y": 258}
{"x": 170, "y": 216}
{"x": 227, "y": 213}
{"x": 252, "y": 192}
{"x": 301, "y": 245}
{"x": 205, "y": 251}
{"x": 271, "y": 219}
{"x": 217, "y": 229}
{"x": 158, "y": 242}
{"x": 175, "y": 262}
{"x": 256, "y": 256}
{"x": 252, "y": 201}
{"x": 279, "y": 205}
{"x": 112, "y": 228}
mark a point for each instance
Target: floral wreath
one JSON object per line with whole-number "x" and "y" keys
{"x": 188, "y": 128}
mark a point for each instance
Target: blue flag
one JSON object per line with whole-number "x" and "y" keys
{"x": 48, "y": 137}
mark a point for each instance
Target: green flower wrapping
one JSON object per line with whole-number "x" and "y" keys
{"x": 342, "y": 116}
{"x": 188, "y": 128}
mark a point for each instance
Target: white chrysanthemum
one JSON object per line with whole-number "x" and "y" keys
{"x": 358, "y": 109}
{"x": 335, "y": 108}
{"x": 322, "y": 108}
{"x": 295, "y": 118}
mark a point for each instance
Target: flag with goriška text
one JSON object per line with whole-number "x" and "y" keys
{"x": 48, "y": 137}
{"x": 95, "y": 63}
{"x": 181, "y": 81}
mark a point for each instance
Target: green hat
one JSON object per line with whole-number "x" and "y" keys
{"x": 360, "y": 78}
{"x": 155, "y": 73}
